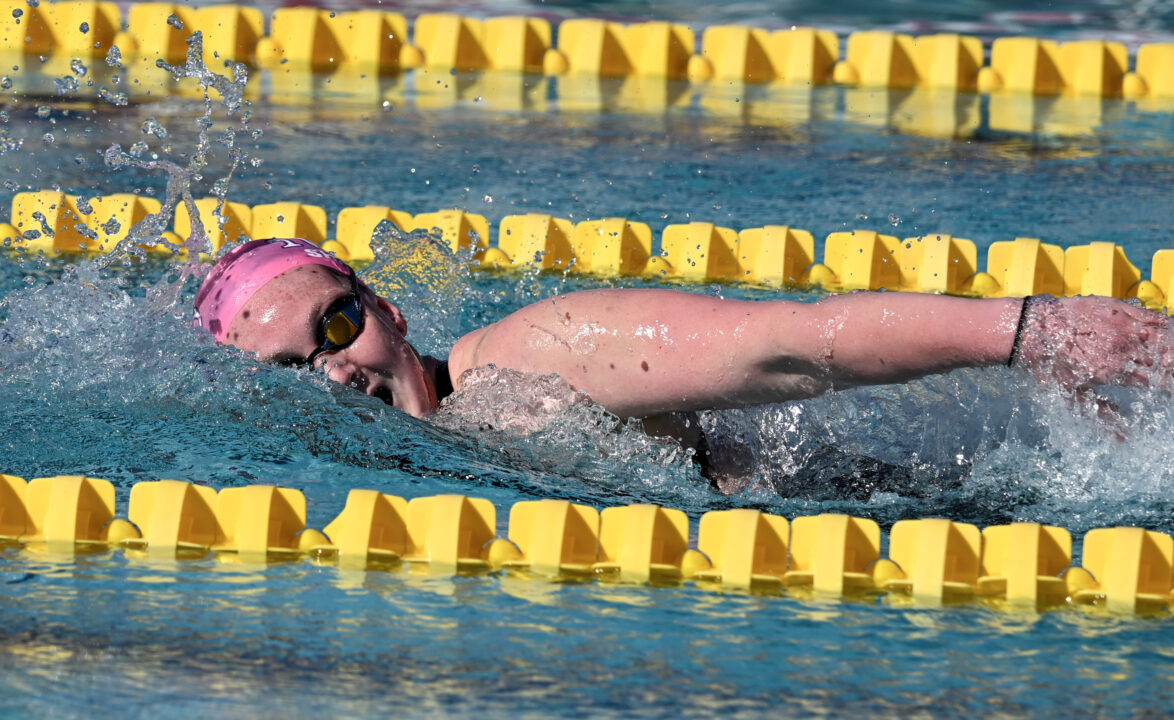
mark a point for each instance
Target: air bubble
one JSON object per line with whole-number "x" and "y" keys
{"x": 114, "y": 56}
{"x": 44, "y": 111}
{"x": 78, "y": 67}
{"x": 174, "y": 21}
{"x": 84, "y": 27}
{"x": 17, "y": 13}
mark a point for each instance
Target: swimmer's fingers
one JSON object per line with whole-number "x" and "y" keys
{"x": 1081, "y": 342}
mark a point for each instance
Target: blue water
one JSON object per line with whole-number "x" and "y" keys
{"x": 95, "y": 378}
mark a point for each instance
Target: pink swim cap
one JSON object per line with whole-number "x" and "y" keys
{"x": 241, "y": 273}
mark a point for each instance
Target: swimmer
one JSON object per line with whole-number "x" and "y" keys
{"x": 655, "y": 354}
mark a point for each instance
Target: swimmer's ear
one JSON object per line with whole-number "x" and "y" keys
{"x": 394, "y": 313}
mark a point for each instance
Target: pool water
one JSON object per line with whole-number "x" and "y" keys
{"x": 101, "y": 374}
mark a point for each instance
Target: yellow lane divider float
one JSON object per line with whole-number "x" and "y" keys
{"x": 312, "y": 55}
{"x": 51, "y": 222}
{"x": 930, "y": 561}
{"x": 378, "y": 41}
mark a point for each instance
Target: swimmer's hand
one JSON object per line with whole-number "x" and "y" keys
{"x": 1082, "y": 342}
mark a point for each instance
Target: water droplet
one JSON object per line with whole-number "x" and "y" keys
{"x": 79, "y": 159}
{"x": 476, "y": 169}
{"x": 111, "y": 226}
{"x": 114, "y": 98}
{"x": 488, "y": 199}
{"x": 77, "y": 67}
{"x": 5, "y": 83}
{"x": 48, "y": 138}
{"x": 137, "y": 149}
{"x": 151, "y": 126}
{"x": 65, "y": 85}
{"x": 44, "y": 111}
{"x": 17, "y": 13}
{"x": 174, "y": 21}
{"x": 114, "y": 56}
{"x": 894, "y": 220}
{"x": 84, "y": 27}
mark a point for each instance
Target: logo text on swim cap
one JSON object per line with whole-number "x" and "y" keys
{"x": 305, "y": 246}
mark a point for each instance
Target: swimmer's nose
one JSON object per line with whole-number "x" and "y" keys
{"x": 345, "y": 373}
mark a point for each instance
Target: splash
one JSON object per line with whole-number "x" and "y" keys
{"x": 986, "y": 446}
{"x": 542, "y": 423}
{"x": 149, "y": 232}
{"x": 428, "y": 281}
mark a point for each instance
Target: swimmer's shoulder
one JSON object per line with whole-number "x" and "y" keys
{"x": 493, "y": 344}
{"x": 464, "y": 353}
{"x": 502, "y": 343}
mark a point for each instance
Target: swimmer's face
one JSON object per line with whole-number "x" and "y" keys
{"x": 280, "y": 324}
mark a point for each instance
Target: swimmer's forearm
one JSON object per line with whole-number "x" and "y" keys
{"x": 877, "y": 338}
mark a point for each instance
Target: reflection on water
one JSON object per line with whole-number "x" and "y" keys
{"x": 311, "y": 640}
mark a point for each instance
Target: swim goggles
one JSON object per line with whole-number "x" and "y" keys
{"x": 339, "y": 325}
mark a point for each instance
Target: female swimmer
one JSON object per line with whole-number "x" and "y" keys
{"x": 655, "y": 353}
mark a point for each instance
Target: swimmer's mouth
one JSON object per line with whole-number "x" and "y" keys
{"x": 384, "y": 394}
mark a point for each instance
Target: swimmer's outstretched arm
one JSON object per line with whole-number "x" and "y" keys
{"x": 645, "y": 352}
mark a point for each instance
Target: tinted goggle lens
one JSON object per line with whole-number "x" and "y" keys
{"x": 341, "y": 327}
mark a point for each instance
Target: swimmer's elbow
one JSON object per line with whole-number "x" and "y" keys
{"x": 790, "y": 377}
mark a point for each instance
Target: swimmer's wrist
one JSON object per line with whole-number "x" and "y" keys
{"x": 1017, "y": 342}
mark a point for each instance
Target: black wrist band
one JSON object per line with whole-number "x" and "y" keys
{"x": 1019, "y": 332}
